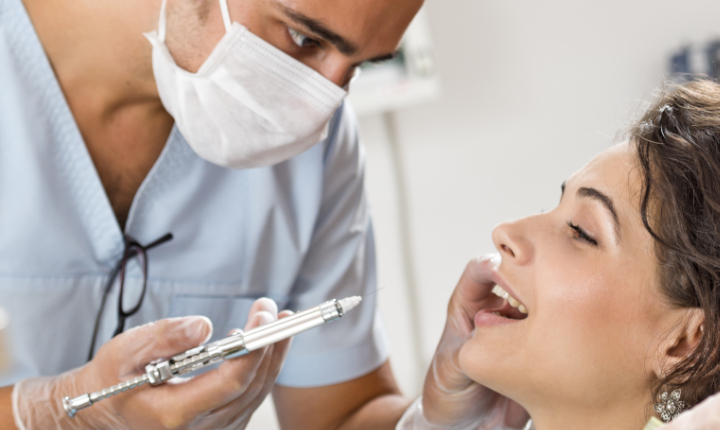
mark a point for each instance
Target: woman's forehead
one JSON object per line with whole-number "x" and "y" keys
{"x": 613, "y": 171}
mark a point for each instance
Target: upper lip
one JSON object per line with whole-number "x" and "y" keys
{"x": 499, "y": 280}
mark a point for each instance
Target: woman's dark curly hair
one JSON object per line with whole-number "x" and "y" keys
{"x": 678, "y": 152}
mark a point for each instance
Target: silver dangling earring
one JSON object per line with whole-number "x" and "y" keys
{"x": 669, "y": 405}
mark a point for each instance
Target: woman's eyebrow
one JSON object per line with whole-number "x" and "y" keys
{"x": 605, "y": 200}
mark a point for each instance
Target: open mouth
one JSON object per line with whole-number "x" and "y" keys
{"x": 510, "y": 307}
{"x": 508, "y": 311}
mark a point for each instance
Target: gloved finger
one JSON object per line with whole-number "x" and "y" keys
{"x": 218, "y": 387}
{"x": 262, "y": 384}
{"x": 190, "y": 400}
{"x": 132, "y": 350}
{"x": 280, "y": 352}
{"x": 267, "y": 374}
{"x": 476, "y": 282}
{"x": 271, "y": 367}
{"x": 473, "y": 292}
{"x": 262, "y": 312}
{"x": 226, "y": 414}
{"x": 243, "y": 407}
{"x": 263, "y": 304}
{"x": 281, "y": 349}
{"x": 285, "y": 313}
{"x": 448, "y": 390}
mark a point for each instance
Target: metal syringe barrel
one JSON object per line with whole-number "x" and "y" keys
{"x": 285, "y": 327}
{"x": 233, "y": 346}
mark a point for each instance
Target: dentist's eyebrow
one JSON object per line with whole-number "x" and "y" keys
{"x": 316, "y": 27}
{"x": 605, "y": 200}
{"x": 381, "y": 58}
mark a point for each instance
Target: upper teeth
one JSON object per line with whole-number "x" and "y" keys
{"x": 500, "y": 292}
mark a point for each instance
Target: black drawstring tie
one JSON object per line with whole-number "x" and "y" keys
{"x": 132, "y": 249}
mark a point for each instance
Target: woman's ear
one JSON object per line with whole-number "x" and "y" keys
{"x": 681, "y": 341}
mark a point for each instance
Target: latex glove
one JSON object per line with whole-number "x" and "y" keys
{"x": 221, "y": 398}
{"x": 704, "y": 416}
{"x": 450, "y": 399}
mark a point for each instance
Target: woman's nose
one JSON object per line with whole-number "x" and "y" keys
{"x": 511, "y": 240}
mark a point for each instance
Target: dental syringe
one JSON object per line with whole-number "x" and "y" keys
{"x": 237, "y": 344}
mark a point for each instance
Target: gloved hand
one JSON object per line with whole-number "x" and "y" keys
{"x": 704, "y": 416}
{"x": 451, "y": 400}
{"x": 221, "y": 398}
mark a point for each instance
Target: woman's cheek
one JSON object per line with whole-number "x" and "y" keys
{"x": 579, "y": 317}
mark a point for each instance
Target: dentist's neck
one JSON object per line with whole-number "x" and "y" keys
{"x": 97, "y": 49}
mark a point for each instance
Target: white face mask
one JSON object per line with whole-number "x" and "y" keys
{"x": 249, "y": 104}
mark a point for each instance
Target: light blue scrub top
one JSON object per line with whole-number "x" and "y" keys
{"x": 298, "y": 232}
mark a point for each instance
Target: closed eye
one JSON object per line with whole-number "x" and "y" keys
{"x": 581, "y": 234}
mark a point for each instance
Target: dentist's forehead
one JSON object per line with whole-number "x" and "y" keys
{"x": 368, "y": 24}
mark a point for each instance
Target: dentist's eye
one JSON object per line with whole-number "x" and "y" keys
{"x": 301, "y": 40}
{"x": 581, "y": 234}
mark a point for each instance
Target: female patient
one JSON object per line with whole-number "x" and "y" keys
{"x": 606, "y": 310}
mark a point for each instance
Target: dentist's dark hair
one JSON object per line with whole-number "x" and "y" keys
{"x": 678, "y": 151}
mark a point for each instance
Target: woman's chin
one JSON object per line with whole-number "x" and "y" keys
{"x": 476, "y": 365}
{"x": 489, "y": 365}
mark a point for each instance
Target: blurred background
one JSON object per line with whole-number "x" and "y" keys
{"x": 499, "y": 102}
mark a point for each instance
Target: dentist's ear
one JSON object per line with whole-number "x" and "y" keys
{"x": 681, "y": 341}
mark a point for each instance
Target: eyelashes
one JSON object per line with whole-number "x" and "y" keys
{"x": 581, "y": 234}
{"x": 301, "y": 40}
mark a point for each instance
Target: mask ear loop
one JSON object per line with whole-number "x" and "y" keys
{"x": 225, "y": 15}
{"x": 161, "y": 24}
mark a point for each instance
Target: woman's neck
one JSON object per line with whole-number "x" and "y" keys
{"x": 627, "y": 416}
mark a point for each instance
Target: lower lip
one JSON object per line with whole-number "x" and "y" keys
{"x": 485, "y": 318}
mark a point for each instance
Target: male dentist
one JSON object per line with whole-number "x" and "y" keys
{"x": 160, "y": 160}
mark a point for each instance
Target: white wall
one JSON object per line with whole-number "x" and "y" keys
{"x": 532, "y": 90}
